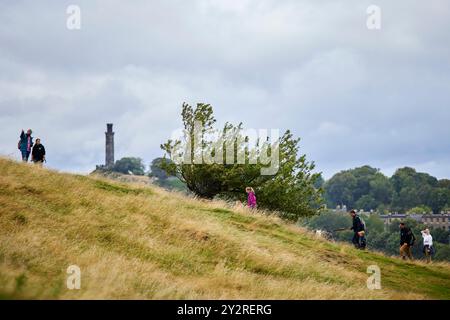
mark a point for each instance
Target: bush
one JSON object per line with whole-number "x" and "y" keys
{"x": 420, "y": 210}
{"x": 129, "y": 165}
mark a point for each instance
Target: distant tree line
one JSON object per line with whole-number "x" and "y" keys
{"x": 407, "y": 191}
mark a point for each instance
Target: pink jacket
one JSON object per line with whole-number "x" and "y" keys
{"x": 251, "y": 200}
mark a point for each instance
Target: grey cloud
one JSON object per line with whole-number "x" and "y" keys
{"x": 354, "y": 96}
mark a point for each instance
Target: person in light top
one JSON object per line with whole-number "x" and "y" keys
{"x": 428, "y": 249}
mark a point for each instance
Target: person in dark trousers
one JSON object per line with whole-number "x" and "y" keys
{"x": 38, "y": 153}
{"x": 428, "y": 249}
{"x": 25, "y": 144}
{"x": 358, "y": 228}
{"x": 407, "y": 240}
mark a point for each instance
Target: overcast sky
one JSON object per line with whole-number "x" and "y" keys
{"x": 355, "y": 96}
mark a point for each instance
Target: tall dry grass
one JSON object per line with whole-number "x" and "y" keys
{"x": 134, "y": 242}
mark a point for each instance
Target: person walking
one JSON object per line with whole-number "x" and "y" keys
{"x": 428, "y": 249}
{"x": 407, "y": 240}
{"x": 25, "y": 144}
{"x": 251, "y": 198}
{"x": 359, "y": 230}
{"x": 38, "y": 153}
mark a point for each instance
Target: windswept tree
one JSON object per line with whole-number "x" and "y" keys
{"x": 223, "y": 162}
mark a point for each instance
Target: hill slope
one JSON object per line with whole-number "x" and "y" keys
{"x": 143, "y": 242}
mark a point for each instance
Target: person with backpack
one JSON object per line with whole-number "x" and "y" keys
{"x": 359, "y": 231}
{"x": 38, "y": 153}
{"x": 407, "y": 240}
{"x": 428, "y": 249}
{"x": 25, "y": 144}
{"x": 251, "y": 198}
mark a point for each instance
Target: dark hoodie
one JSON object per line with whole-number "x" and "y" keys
{"x": 407, "y": 236}
{"x": 38, "y": 153}
{"x": 357, "y": 224}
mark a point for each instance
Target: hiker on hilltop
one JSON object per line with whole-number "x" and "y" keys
{"x": 251, "y": 198}
{"x": 407, "y": 240}
{"x": 428, "y": 249}
{"x": 25, "y": 144}
{"x": 38, "y": 153}
{"x": 359, "y": 230}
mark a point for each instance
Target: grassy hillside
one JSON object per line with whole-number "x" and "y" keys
{"x": 135, "y": 241}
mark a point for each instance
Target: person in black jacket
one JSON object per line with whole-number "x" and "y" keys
{"x": 407, "y": 239}
{"x": 359, "y": 240}
{"x": 38, "y": 153}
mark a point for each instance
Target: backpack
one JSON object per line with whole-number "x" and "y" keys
{"x": 363, "y": 223}
{"x": 413, "y": 238}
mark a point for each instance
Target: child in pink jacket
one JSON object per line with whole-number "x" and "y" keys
{"x": 251, "y": 199}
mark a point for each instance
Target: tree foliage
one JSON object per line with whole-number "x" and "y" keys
{"x": 156, "y": 169}
{"x": 164, "y": 179}
{"x": 129, "y": 165}
{"x": 364, "y": 188}
{"x": 406, "y": 191}
{"x": 419, "y": 210}
{"x": 290, "y": 190}
{"x": 415, "y": 189}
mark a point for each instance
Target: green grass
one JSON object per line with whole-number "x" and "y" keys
{"x": 134, "y": 242}
{"x": 120, "y": 189}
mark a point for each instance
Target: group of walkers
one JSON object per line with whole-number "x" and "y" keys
{"x": 407, "y": 238}
{"x": 407, "y": 241}
{"x": 27, "y": 147}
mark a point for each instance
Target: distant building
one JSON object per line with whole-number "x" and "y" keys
{"x": 437, "y": 221}
{"x": 441, "y": 221}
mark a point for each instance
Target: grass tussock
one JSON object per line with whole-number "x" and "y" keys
{"x": 133, "y": 241}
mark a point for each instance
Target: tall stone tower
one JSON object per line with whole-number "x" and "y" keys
{"x": 109, "y": 159}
